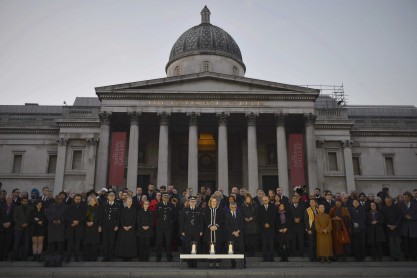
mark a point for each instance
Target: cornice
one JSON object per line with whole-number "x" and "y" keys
{"x": 382, "y": 133}
{"x": 78, "y": 124}
{"x": 333, "y": 126}
{"x": 29, "y": 130}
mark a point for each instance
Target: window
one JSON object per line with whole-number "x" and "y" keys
{"x": 17, "y": 164}
{"x": 177, "y": 70}
{"x": 389, "y": 166}
{"x": 332, "y": 160}
{"x": 206, "y": 66}
{"x": 52, "y": 163}
{"x": 235, "y": 71}
{"x": 356, "y": 166}
{"x": 77, "y": 160}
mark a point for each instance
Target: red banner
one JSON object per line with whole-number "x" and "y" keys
{"x": 117, "y": 158}
{"x": 296, "y": 155}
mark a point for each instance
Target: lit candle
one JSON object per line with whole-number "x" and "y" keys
{"x": 193, "y": 249}
{"x": 230, "y": 248}
{"x": 212, "y": 248}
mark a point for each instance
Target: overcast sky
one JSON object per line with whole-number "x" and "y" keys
{"x": 52, "y": 51}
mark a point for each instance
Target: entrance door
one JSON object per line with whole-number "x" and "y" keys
{"x": 144, "y": 181}
{"x": 269, "y": 182}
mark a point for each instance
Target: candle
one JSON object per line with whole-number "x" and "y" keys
{"x": 212, "y": 248}
{"x": 193, "y": 248}
{"x": 230, "y": 248}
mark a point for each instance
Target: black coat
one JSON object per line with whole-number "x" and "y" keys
{"x": 145, "y": 218}
{"x": 287, "y": 236}
{"x": 328, "y": 206}
{"x": 191, "y": 222}
{"x": 165, "y": 215}
{"x": 375, "y": 232}
{"x": 109, "y": 216}
{"x": 21, "y": 216}
{"x": 358, "y": 216}
{"x": 233, "y": 224}
{"x": 6, "y": 217}
{"x": 75, "y": 213}
{"x": 56, "y": 222}
{"x": 409, "y": 226}
{"x": 214, "y": 216}
{"x": 91, "y": 234}
{"x": 250, "y": 227}
{"x": 392, "y": 217}
{"x": 126, "y": 240}
{"x": 297, "y": 212}
{"x": 36, "y": 228}
{"x": 267, "y": 216}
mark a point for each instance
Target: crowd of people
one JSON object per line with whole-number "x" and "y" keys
{"x": 326, "y": 227}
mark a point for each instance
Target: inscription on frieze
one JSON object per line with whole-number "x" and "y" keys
{"x": 206, "y": 103}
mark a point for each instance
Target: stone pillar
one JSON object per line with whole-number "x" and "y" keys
{"x": 91, "y": 168}
{"x": 222, "y": 154}
{"x": 132, "y": 159}
{"x": 193, "y": 151}
{"x": 60, "y": 165}
{"x": 103, "y": 151}
{"x": 310, "y": 119}
{"x": 320, "y": 164}
{"x": 253, "y": 177}
{"x": 162, "y": 178}
{"x": 282, "y": 156}
{"x": 350, "y": 176}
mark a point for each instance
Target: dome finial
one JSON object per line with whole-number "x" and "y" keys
{"x": 205, "y": 15}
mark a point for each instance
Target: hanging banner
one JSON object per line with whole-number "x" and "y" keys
{"x": 296, "y": 155}
{"x": 117, "y": 159}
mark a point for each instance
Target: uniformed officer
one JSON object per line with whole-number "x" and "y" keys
{"x": 191, "y": 227}
{"x": 165, "y": 216}
{"x": 109, "y": 219}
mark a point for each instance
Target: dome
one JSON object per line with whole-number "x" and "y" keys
{"x": 205, "y": 39}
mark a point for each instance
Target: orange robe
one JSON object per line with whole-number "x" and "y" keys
{"x": 323, "y": 222}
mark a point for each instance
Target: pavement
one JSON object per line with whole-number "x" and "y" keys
{"x": 297, "y": 267}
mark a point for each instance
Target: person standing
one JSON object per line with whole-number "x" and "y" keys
{"x": 358, "y": 214}
{"x": 409, "y": 226}
{"x": 38, "y": 229}
{"x": 22, "y": 217}
{"x": 165, "y": 216}
{"x": 191, "y": 227}
{"x": 145, "y": 231}
{"x": 74, "y": 232}
{"x": 214, "y": 221}
{"x": 234, "y": 231}
{"x": 297, "y": 210}
{"x": 91, "y": 236}
{"x": 323, "y": 225}
{"x": 375, "y": 231}
{"x": 340, "y": 218}
{"x": 285, "y": 231}
{"x": 109, "y": 221}
{"x": 309, "y": 216}
{"x": 126, "y": 238}
{"x": 6, "y": 227}
{"x": 393, "y": 224}
{"x": 250, "y": 225}
{"x": 266, "y": 220}
{"x": 56, "y": 227}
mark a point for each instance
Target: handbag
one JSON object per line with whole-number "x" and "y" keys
{"x": 343, "y": 236}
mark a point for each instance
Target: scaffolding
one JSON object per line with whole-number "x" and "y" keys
{"x": 331, "y": 96}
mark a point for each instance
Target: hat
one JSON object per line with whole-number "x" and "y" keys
{"x": 104, "y": 189}
{"x": 111, "y": 191}
{"x": 193, "y": 198}
{"x": 165, "y": 195}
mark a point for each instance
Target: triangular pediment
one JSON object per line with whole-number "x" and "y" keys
{"x": 206, "y": 82}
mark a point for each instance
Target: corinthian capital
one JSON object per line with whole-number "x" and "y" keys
{"x": 134, "y": 117}
{"x": 347, "y": 143}
{"x": 193, "y": 117}
{"x": 222, "y": 117}
{"x": 310, "y": 119}
{"x": 251, "y": 116}
{"x": 62, "y": 141}
{"x": 104, "y": 117}
{"x": 164, "y": 118}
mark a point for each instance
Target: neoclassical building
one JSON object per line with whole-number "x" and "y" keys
{"x": 205, "y": 123}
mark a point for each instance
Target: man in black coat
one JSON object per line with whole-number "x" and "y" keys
{"x": 22, "y": 217}
{"x": 109, "y": 221}
{"x": 151, "y": 192}
{"x": 56, "y": 226}
{"x": 284, "y": 199}
{"x": 6, "y": 227}
{"x": 393, "y": 225}
{"x": 266, "y": 220}
{"x": 74, "y": 233}
{"x": 137, "y": 198}
{"x": 191, "y": 227}
{"x": 409, "y": 226}
{"x": 165, "y": 217}
{"x": 234, "y": 231}
{"x": 329, "y": 203}
{"x": 297, "y": 213}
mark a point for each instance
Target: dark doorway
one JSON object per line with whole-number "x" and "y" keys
{"x": 269, "y": 182}
{"x": 144, "y": 181}
{"x": 211, "y": 184}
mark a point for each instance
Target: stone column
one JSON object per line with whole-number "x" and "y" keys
{"x": 91, "y": 168}
{"x": 132, "y": 159}
{"x": 103, "y": 151}
{"x": 350, "y": 176}
{"x": 320, "y": 163}
{"x": 60, "y": 165}
{"x": 253, "y": 177}
{"x": 162, "y": 178}
{"x": 193, "y": 151}
{"x": 282, "y": 156}
{"x": 310, "y": 119}
{"x": 222, "y": 155}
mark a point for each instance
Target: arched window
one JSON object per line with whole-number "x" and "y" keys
{"x": 177, "y": 70}
{"x": 206, "y": 66}
{"x": 235, "y": 71}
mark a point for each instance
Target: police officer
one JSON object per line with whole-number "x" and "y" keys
{"x": 165, "y": 215}
{"x": 109, "y": 218}
{"x": 191, "y": 227}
